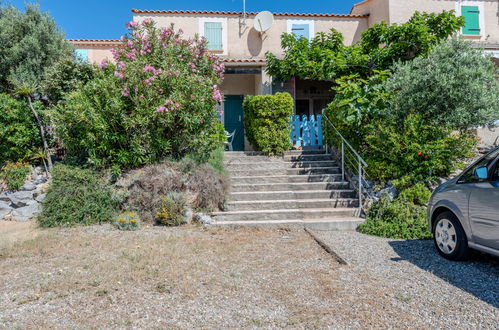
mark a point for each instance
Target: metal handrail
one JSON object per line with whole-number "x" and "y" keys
{"x": 357, "y": 164}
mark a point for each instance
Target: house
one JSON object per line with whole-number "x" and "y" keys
{"x": 231, "y": 36}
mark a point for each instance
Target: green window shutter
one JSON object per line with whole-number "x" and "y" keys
{"x": 471, "y": 16}
{"x": 213, "y": 34}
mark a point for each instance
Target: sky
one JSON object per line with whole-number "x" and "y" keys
{"x": 105, "y": 19}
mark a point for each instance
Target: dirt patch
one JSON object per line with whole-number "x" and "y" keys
{"x": 163, "y": 277}
{"x": 12, "y": 232}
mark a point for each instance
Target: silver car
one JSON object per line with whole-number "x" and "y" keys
{"x": 463, "y": 213}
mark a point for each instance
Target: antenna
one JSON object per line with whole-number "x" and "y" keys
{"x": 263, "y": 21}
{"x": 244, "y": 12}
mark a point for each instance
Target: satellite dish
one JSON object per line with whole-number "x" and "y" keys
{"x": 263, "y": 21}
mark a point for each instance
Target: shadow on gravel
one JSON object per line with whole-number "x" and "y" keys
{"x": 478, "y": 276}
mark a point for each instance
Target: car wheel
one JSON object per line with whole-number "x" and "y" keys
{"x": 449, "y": 237}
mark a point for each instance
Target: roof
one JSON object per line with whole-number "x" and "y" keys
{"x": 247, "y": 60}
{"x": 94, "y": 42}
{"x": 238, "y": 13}
{"x": 360, "y": 3}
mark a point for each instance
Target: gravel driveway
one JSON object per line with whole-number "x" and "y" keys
{"x": 432, "y": 291}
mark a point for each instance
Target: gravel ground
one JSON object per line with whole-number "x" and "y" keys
{"x": 190, "y": 277}
{"x": 429, "y": 290}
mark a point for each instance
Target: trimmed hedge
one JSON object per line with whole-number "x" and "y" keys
{"x": 267, "y": 122}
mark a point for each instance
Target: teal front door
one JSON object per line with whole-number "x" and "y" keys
{"x": 234, "y": 119}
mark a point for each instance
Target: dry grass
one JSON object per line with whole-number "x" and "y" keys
{"x": 189, "y": 277}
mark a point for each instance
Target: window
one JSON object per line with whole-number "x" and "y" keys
{"x": 301, "y": 28}
{"x": 82, "y": 54}
{"x": 471, "y": 16}
{"x": 487, "y": 161}
{"x": 214, "y": 30}
{"x": 213, "y": 34}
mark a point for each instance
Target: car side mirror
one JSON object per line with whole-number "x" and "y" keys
{"x": 482, "y": 173}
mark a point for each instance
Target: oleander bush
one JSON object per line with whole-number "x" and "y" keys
{"x": 15, "y": 174}
{"x": 267, "y": 122}
{"x": 158, "y": 101}
{"x": 76, "y": 196}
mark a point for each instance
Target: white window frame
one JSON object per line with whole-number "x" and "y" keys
{"x": 481, "y": 17}
{"x": 310, "y": 23}
{"x": 222, "y": 20}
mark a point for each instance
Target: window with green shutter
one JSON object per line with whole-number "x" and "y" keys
{"x": 213, "y": 34}
{"x": 471, "y": 16}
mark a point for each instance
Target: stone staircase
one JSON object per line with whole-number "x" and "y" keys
{"x": 302, "y": 188}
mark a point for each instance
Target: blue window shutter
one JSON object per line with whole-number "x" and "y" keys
{"x": 301, "y": 30}
{"x": 471, "y": 16}
{"x": 213, "y": 34}
{"x": 82, "y": 54}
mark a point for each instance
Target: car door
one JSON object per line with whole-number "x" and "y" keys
{"x": 484, "y": 209}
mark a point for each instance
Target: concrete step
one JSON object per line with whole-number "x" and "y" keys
{"x": 282, "y": 178}
{"x": 280, "y": 165}
{"x": 289, "y": 171}
{"x": 314, "y": 224}
{"x": 229, "y": 154}
{"x": 292, "y": 204}
{"x": 307, "y": 157}
{"x": 286, "y": 214}
{"x": 291, "y": 195}
{"x": 300, "y": 186}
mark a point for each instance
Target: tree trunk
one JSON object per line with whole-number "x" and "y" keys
{"x": 42, "y": 133}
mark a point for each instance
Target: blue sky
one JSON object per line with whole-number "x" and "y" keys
{"x": 105, "y": 19}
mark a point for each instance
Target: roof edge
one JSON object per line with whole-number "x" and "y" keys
{"x": 234, "y": 13}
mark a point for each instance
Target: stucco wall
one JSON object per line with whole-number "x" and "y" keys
{"x": 378, "y": 10}
{"x": 239, "y": 84}
{"x": 99, "y": 54}
{"x": 245, "y": 42}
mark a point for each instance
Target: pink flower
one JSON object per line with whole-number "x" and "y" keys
{"x": 177, "y": 105}
{"x": 125, "y": 92}
{"x": 168, "y": 102}
{"x": 121, "y": 65}
{"x": 217, "y": 96}
{"x": 161, "y": 109}
{"x": 119, "y": 74}
{"x": 131, "y": 25}
{"x": 149, "y": 69}
{"x": 104, "y": 64}
{"x": 160, "y": 90}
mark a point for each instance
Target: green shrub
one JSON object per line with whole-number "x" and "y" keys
{"x": 267, "y": 122}
{"x": 14, "y": 174}
{"x": 158, "y": 101}
{"x": 396, "y": 219}
{"x": 173, "y": 210}
{"x": 413, "y": 151}
{"x": 454, "y": 87}
{"x": 127, "y": 221}
{"x": 19, "y": 134}
{"x": 76, "y": 197}
{"x": 418, "y": 194}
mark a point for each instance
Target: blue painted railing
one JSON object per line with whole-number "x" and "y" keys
{"x": 306, "y": 130}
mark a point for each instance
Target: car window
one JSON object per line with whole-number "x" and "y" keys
{"x": 488, "y": 160}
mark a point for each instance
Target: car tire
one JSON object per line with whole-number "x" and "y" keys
{"x": 449, "y": 237}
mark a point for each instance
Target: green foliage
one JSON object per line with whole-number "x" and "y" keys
{"x": 14, "y": 174}
{"x": 19, "y": 135}
{"x": 76, "y": 197}
{"x": 396, "y": 219}
{"x": 30, "y": 42}
{"x": 357, "y": 103}
{"x": 418, "y": 194}
{"x": 158, "y": 101}
{"x": 173, "y": 210}
{"x": 413, "y": 151}
{"x": 65, "y": 76}
{"x": 326, "y": 58}
{"x": 127, "y": 221}
{"x": 455, "y": 86}
{"x": 267, "y": 123}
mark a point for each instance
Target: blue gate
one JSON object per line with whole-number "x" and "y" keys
{"x": 306, "y": 131}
